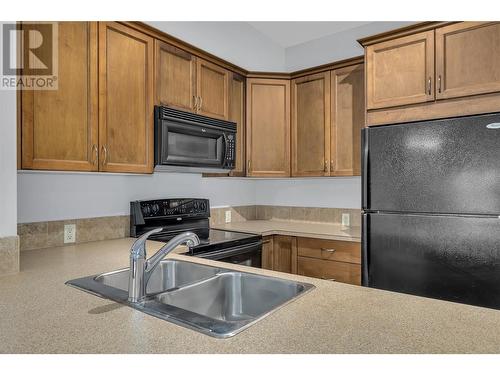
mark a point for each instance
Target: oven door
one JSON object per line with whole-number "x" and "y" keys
{"x": 191, "y": 145}
{"x": 246, "y": 255}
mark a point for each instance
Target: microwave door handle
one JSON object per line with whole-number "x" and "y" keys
{"x": 224, "y": 149}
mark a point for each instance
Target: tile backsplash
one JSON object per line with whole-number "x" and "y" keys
{"x": 307, "y": 214}
{"x": 51, "y": 233}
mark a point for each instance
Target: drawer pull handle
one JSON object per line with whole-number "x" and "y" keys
{"x": 328, "y": 250}
{"x": 266, "y": 241}
{"x": 327, "y": 278}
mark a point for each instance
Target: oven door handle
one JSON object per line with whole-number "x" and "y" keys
{"x": 232, "y": 251}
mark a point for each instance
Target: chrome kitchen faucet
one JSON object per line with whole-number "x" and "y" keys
{"x": 141, "y": 269}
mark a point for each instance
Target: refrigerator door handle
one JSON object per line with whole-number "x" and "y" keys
{"x": 364, "y": 251}
{"x": 364, "y": 168}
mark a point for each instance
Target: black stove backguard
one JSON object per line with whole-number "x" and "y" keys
{"x": 173, "y": 215}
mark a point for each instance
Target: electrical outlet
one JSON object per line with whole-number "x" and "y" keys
{"x": 69, "y": 233}
{"x": 346, "y": 220}
{"x": 228, "y": 216}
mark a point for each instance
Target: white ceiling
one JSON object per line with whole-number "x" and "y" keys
{"x": 280, "y": 46}
{"x": 287, "y": 34}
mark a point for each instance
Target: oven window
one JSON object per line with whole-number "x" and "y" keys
{"x": 192, "y": 146}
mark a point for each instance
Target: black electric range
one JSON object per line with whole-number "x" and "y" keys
{"x": 177, "y": 215}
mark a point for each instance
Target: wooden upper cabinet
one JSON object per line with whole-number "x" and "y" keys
{"x": 400, "y": 71}
{"x": 59, "y": 127}
{"x": 212, "y": 89}
{"x": 268, "y": 127}
{"x": 311, "y": 125}
{"x": 237, "y": 115}
{"x": 348, "y": 117}
{"x": 125, "y": 99}
{"x": 175, "y": 77}
{"x": 467, "y": 59}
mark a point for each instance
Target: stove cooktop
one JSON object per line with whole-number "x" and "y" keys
{"x": 217, "y": 240}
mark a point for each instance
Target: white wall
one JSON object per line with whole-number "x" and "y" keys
{"x": 236, "y": 42}
{"x": 338, "y": 192}
{"x": 58, "y": 196}
{"x": 8, "y": 161}
{"x": 334, "y": 47}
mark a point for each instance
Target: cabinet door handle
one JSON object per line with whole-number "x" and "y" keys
{"x": 248, "y": 165}
{"x": 430, "y": 86}
{"x": 104, "y": 155}
{"x": 328, "y": 250}
{"x": 439, "y": 84}
{"x": 195, "y": 105}
{"x": 266, "y": 242}
{"x": 327, "y": 278}
{"x": 326, "y": 165}
{"x": 95, "y": 152}
{"x": 201, "y": 103}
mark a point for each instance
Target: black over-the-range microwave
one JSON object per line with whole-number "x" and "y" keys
{"x": 186, "y": 139}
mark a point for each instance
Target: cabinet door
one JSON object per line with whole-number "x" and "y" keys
{"x": 59, "y": 127}
{"x": 348, "y": 117}
{"x": 467, "y": 59}
{"x": 311, "y": 125}
{"x": 267, "y": 253}
{"x": 285, "y": 254}
{"x": 400, "y": 71}
{"x": 268, "y": 127}
{"x": 334, "y": 250}
{"x": 329, "y": 270}
{"x": 175, "y": 77}
{"x": 125, "y": 99}
{"x": 212, "y": 89}
{"x": 237, "y": 115}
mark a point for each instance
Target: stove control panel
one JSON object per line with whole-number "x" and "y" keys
{"x": 165, "y": 208}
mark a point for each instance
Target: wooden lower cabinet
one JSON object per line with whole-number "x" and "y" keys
{"x": 285, "y": 254}
{"x": 329, "y": 260}
{"x": 329, "y": 270}
{"x": 340, "y": 251}
{"x": 323, "y": 259}
{"x": 267, "y": 253}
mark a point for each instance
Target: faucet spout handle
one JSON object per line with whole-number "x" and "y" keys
{"x": 138, "y": 249}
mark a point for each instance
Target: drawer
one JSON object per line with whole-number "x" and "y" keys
{"x": 341, "y": 251}
{"x": 326, "y": 269}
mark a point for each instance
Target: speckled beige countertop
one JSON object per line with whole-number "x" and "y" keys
{"x": 39, "y": 314}
{"x": 295, "y": 228}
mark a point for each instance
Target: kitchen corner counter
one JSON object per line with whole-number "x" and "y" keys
{"x": 295, "y": 228}
{"x": 40, "y": 314}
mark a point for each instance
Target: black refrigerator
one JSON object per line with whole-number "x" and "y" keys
{"x": 431, "y": 209}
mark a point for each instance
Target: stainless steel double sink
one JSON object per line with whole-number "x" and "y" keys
{"x": 215, "y": 301}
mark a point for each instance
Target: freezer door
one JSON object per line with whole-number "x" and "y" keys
{"x": 444, "y": 166}
{"x": 446, "y": 257}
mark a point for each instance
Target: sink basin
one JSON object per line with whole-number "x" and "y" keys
{"x": 216, "y": 301}
{"x": 233, "y": 296}
{"x": 168, "y": 275}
